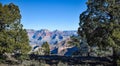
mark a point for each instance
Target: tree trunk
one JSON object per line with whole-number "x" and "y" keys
{"x": 114, "y": 57}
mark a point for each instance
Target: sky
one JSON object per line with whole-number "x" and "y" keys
{"x": 50, "y": 14}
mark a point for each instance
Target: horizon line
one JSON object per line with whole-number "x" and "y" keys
{"x": 50, "y": 30}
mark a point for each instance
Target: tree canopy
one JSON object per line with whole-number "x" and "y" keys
{"x": 75, "y": 41}
{"x": 46, "y": 48}
{"x": 100, "y": 23}
{"x": 13, "y": 38}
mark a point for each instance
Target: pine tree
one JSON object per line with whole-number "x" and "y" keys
{"x": 75, "y": 40}
{"x": 46, "y": 48}
{"x": 100, "y": 24}
{"x": 13, "y": 38}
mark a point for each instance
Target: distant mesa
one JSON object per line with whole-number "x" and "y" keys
{"x": 44, "y": 35}
{"x": 57, "y": 39}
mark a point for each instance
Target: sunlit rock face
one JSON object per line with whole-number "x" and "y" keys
{"x": 52, "y": 37}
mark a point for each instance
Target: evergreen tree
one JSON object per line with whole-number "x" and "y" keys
{"x": 75, "y": 40}
{"x": 46, "y": 48}
{"x": 13, "y": 38}
{"x": 100, "y": 24}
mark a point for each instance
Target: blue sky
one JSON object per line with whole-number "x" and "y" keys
{"x": 50, "y": 14}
